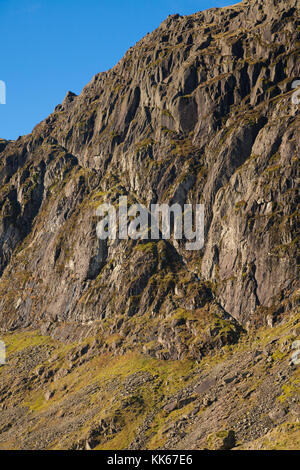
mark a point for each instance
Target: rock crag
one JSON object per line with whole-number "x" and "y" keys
{"x": 141, "y": 343}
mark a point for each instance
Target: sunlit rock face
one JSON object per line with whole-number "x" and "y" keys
{"x": 143, "y": 344}
{"x": 199, "y": 111}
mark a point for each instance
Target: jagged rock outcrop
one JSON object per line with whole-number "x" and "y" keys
{"x": 199, "y": 111}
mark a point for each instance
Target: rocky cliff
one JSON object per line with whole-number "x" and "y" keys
{"x": 199, "y": 111}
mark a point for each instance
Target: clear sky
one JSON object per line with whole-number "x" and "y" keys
{"x": 51, "y": 46}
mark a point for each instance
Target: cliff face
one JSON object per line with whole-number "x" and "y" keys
{"x": 199, "y": 111}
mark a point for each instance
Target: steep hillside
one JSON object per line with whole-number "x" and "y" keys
{"x": 141, "y": 343}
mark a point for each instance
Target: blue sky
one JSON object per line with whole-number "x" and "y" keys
{"x": 51, "y": 46}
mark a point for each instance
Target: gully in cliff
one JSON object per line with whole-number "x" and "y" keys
{"x": 161, "y": 221}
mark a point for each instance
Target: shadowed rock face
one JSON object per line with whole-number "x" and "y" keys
{"x": 198, "y": 111}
